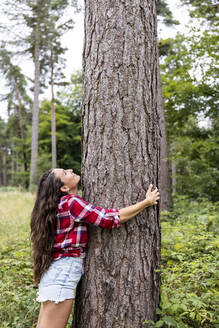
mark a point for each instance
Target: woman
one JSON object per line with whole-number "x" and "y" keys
{"x": 59, "y": 236}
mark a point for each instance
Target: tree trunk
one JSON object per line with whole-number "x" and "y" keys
{"x": 0, "y": 173}
{"x": 165, "y": 179}
{"x": 173, "y": 169}
{"x": 21, "y": 129}
{"x": 16, "y": 163}
{"x": 173, "y": 176}
{"x": 53, "y": 114}
{"x": 12, "y": 165}
{"x": 35, "y": 115}
{"x": 4, "y": 166}
{"x": 120, "y": 287}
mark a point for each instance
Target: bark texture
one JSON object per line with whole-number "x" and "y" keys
{"x": 165, "y": 179}
{"x": 121, "y": 134}
{"x": 35, "y": 114}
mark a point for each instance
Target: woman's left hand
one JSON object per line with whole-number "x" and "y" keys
{"x": 152, "y": 196}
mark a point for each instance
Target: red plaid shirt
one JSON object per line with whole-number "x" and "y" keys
{"x": 72, "y": 218}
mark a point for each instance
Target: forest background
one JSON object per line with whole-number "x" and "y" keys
{"x": 188, "y": 65}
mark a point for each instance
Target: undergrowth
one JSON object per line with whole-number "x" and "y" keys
{"x": 190, "y": 259}
{"x": 189, "y": 272}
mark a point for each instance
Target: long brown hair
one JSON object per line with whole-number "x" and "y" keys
{"x": 44, "y": 221}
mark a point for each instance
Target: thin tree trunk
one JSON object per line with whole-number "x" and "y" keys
{"x": 174, "y": 176}
{"x": 12, "y": 164}
{"x": 35, "y": 115}
{"x": 21, "y": 129}
{"x": 173, "y": 169}
{"x": 53, "y": 114}
{"x": 165, "y": 179}
{"x": 17, "y": 163}
{"x": 4, "y": 166}
{"x": 1, "y": 174}
{"x": 120, "y": 287}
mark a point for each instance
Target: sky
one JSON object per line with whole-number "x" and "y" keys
{"x": 74, "y": 39}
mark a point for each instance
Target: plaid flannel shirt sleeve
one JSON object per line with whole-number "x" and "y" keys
{"x": 82, "y": 211}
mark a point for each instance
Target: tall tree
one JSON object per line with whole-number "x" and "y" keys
{"x": 120, "y": 158}
{"x": 18, "y": 101}
{"x": 3, "y": 149}
{"x": 68, "y": 130}
{"x": 166, "y": 200}
{"x": 56, "y": 29}
{"x": 39, "y": 10}
{"x": 48, "y": 31}
{"x": 189, "y": 72}
{"x": 41, "y": 38}
{"x": 165, "y": 16}
{"x": 53, "y": 116}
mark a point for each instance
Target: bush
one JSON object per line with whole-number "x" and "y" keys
{"x": 189, "y": 291}
{"x": 18, "y": 306}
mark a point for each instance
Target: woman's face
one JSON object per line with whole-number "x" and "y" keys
{"x": 69, "y": 178}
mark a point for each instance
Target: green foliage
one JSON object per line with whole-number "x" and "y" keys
{"x": 19, "y": 117}
{"x": 164, "y": 12}
{"x": 68, "y": 128}
{"x": 189, "y": 70}
{"x": 207, "y": 9}
{"x": 68, "y": 135}
{"x": 40, "y": 25}
{"x": 18, "y": 307}
{"x": 189, "y": 291}
{"x": 196, "y": 155}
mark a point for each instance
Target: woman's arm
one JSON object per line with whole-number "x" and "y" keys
{"x": 129, "y": 212}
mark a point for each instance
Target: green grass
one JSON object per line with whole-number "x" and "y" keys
{"x": 15, "y": 209}
{"x": 189, "y": 292}
{"x": 18, "y": 305}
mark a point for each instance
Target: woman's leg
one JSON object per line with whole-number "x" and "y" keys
{"x": 54, "y": 315}
{"x": 40, "y": 315}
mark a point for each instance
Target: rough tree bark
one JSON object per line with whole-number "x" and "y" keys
{"x": 120, "y": 287}
{"x": 35, "y": 114}
{"x": 165, "y": 179}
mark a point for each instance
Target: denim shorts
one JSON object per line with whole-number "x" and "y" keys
{"x": 60, "y": 280}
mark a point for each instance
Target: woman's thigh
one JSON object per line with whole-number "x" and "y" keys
{"x": 54, "y": 315}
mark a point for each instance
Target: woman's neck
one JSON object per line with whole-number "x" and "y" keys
{"x": 74, "y": 191}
